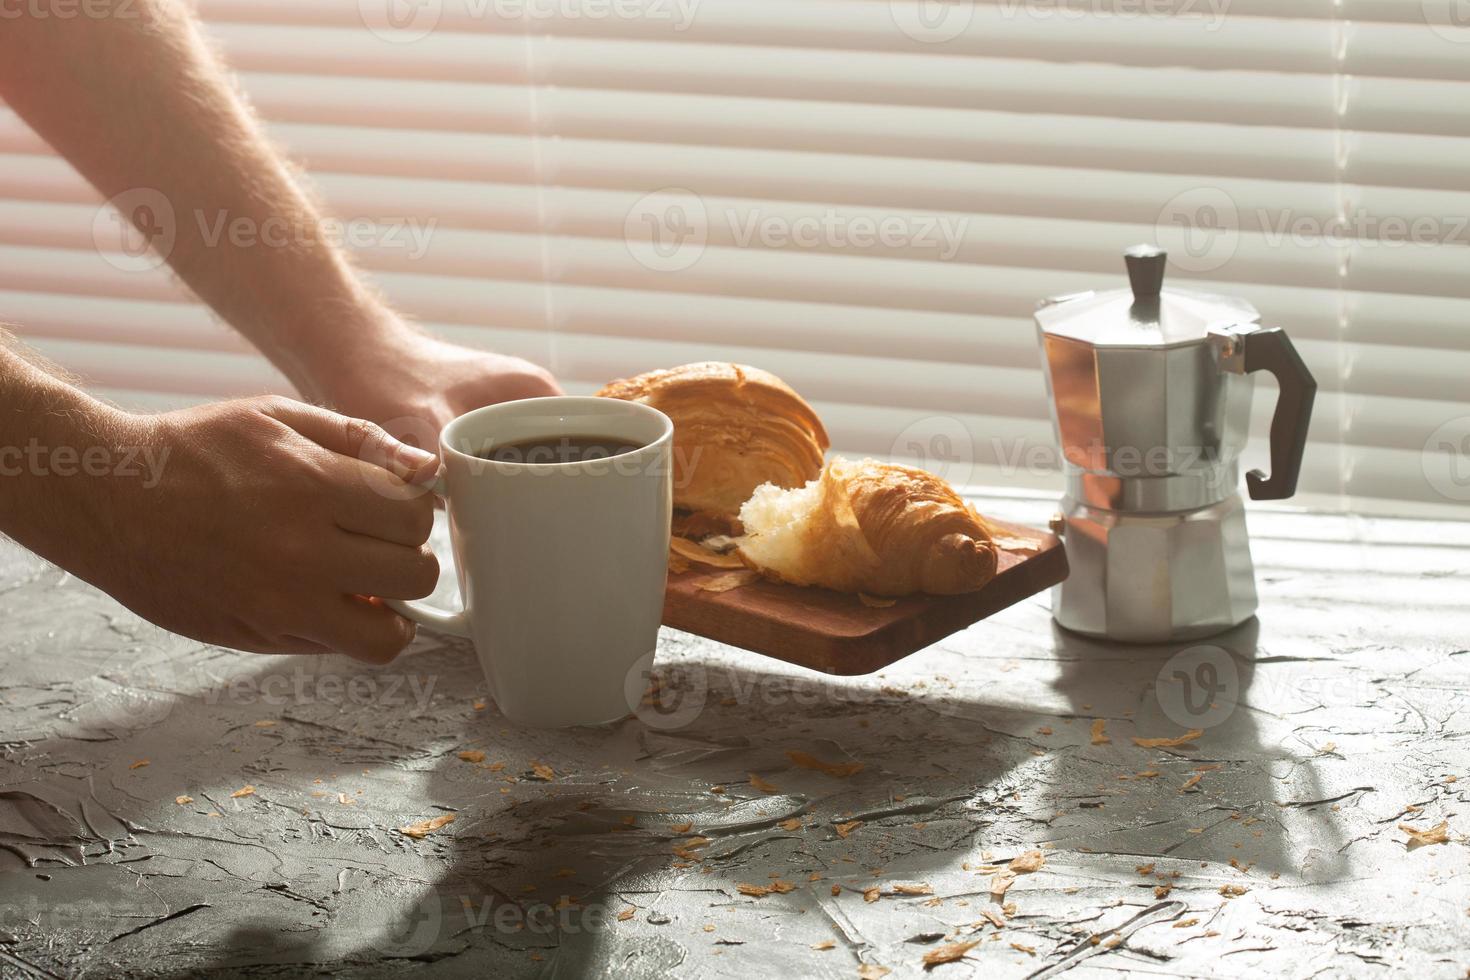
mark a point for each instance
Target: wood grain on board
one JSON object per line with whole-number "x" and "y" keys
{"x": 835, "y": 632}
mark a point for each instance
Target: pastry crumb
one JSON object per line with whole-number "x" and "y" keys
{"x": 839, "y": 770}
{"x": 1168, "y": 743}
{"x": 420, "y": 829}
{"x": 947, "y": 954}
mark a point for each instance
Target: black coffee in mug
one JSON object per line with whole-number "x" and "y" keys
{"x": 560, "y": 449}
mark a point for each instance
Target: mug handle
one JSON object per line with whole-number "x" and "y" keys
{"x": 453, "y": 623}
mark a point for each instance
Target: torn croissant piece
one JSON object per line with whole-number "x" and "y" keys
{"x": 869, "y": 527}
{"x": 735, "y": 428}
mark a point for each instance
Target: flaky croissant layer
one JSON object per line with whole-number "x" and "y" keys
{"x": 871, "y": 527}
{"x": 735, "y": 428}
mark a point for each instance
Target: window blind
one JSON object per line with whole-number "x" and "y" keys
{"x": 867, "y": 197}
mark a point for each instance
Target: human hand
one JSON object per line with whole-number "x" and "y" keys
{"x": 414, "y": 384}
{"x": 270, "y": 523}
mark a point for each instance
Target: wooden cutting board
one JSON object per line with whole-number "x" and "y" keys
{"x": 836, "y": 633}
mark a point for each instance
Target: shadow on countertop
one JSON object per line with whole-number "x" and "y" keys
{"x": 686, "y": 839}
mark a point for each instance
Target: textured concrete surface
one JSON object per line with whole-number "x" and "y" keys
{"x": 1270, "y": 844}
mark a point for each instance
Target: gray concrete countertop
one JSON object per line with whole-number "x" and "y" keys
{"x": 168, "y": 808}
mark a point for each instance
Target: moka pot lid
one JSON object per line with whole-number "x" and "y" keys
{"x": 1145, "y": 314}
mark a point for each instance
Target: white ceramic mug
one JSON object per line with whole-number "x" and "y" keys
{"x": 561, "y": 565}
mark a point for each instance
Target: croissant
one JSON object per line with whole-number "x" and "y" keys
{"x": 869, "y": 527}
{"x": 735, "y": 428}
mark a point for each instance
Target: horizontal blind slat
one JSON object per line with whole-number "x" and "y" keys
{"x": 1191, "y": 32}
{"x": 578, "y": 170}
{"x": 218, "y": 374}
{"x": 995, "y": 138}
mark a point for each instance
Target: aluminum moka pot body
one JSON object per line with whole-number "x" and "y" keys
{"x": 1151, "y": 402}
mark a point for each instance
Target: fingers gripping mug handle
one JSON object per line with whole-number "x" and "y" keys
{"x": 454, "y": 623}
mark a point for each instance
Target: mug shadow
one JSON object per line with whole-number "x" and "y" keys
{"x": 732, "y": 791}
{"x": 561, "y": 836}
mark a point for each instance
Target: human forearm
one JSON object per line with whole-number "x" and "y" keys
{"x": 258, "y": 524}
{"x": 62, "y": 454}
{"x": 137, "y": 100}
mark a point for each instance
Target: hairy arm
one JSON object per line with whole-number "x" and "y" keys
{"x": 137, "y": 100}
{"x": 39, "y": 414}
{"x": 258, "y": 524}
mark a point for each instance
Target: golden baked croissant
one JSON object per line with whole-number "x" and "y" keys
{"x": 735, "y": 428}
{"x": 869, "y": 527}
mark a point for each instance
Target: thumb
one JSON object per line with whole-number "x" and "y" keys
{"x": 355, "y": 438}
